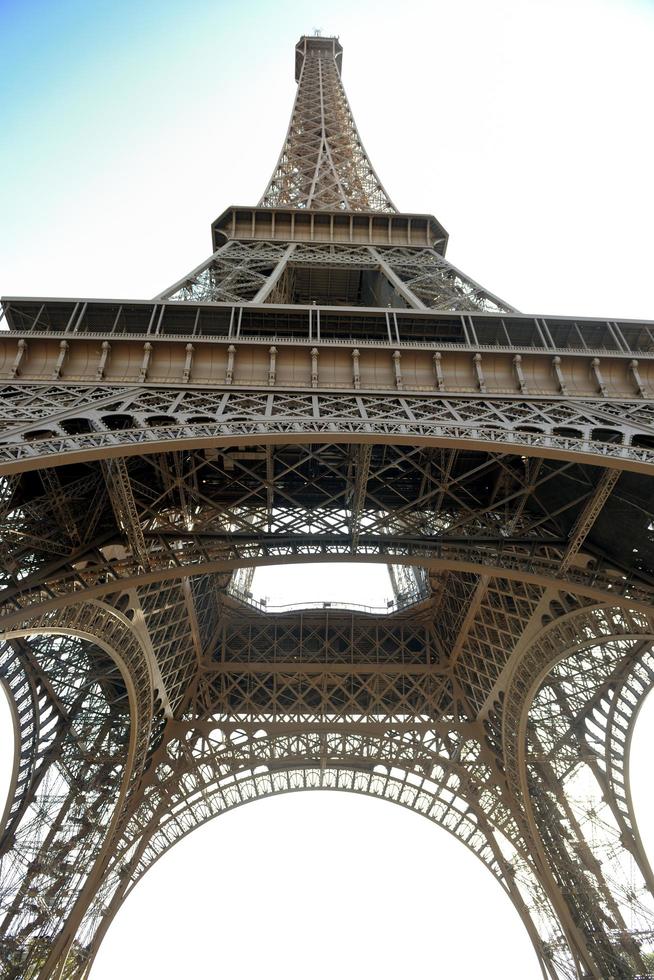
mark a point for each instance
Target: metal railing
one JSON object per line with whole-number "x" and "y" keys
{"x": 391, "y": 606}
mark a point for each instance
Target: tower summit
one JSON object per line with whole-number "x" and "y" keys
{"x": 325, "y": 386}
{"x": 323, "y": 164}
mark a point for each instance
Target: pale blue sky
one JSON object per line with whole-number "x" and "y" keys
{"x": 524, "y": 125}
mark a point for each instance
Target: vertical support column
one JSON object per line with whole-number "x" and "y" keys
{"x": 314, "y": 367}
{"x": 519, "y": 374}
{"x": 229, "y": 371}
{"x": 147, "y": 354}
{"x": 635, "y": 374}
{"x": 558, "y": 371}
{"x": 438, "y": 370}
{"x": 272, "y": 365}
{"x": 356, "y": 375}
{"x": 479, "y": 373}
{"x": 22, "y": 348}
{"x": 105, "y": 350}
{"x": 597, "y": 372}
{"x": 63, "y": 350}
{"x": 397, "y": 357}
{"x": 188, "y": 362}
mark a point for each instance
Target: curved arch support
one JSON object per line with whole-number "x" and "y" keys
{"x": 178, "y": 800}
{"x": 583, "y": 852}
{"x": 546, "y": 429}
{"x": 31, "y": 740}
{"x": 595, "y": 580}
{"x": 610, "y": 721}
{"x": 90, "y": 662}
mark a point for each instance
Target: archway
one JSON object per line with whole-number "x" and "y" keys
{"x": 320, "y": 883}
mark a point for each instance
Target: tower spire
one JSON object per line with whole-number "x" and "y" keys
{"x": 323, "y": 163}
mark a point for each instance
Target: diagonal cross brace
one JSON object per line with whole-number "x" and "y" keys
{"x": 124, "y": 507}
{"x": 588, "y": 516}
{"x": 362, "y": 473}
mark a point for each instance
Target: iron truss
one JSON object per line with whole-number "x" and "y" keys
{"x": 152, "y": 455}
{"x": 323, "y": 163}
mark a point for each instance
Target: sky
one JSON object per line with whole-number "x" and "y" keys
{"x": 525, "y": 127}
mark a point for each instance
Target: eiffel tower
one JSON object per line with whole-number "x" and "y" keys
{"x": 326, "y": 386}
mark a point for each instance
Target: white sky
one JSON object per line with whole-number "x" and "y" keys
{"x": 525, "y": 126}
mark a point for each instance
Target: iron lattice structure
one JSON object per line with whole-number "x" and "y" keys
{"x": 325, "y": 386}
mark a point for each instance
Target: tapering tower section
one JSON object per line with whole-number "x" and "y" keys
{"x": 323, "y": 163}
{"x": 325, "y": 231}
{"x": 325, "y": 386}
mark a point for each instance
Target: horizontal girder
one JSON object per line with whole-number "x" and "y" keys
{"x": 305, "y": 363}
{"x": 48, "y": 423}
{"x": 198, "y": 322}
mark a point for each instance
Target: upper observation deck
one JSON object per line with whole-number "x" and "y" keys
{"x": 315, "y": 43}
